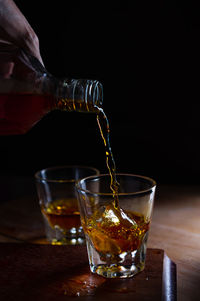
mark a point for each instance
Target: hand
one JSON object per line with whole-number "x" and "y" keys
{"x": 19, "y": 64}
{"x": 15, "y": 29}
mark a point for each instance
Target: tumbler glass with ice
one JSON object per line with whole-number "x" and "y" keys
{"x": 116, "y": 232}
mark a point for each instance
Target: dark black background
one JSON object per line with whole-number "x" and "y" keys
{"x": 146, "y": 54}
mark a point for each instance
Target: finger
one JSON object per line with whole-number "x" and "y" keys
{"x": 6, "y": 69}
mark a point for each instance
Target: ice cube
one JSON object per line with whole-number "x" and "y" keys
{"x": 112, "y": 232}
{"x": 112, "y": 216}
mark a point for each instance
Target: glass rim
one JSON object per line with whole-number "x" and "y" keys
{"x": 139, "y": 192}
{"x": 59, "y": 167}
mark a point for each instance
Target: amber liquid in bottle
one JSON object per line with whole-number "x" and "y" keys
{"x": 19, "y": 112}
{"x": 24, "y": 103}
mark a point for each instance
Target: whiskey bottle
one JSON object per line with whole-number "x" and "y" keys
{"x": 28, "y": 92}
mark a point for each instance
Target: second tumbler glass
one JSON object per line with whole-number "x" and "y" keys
{"x": 58, "y": 202}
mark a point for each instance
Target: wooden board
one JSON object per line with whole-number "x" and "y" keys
{"x": 45, "y": 272}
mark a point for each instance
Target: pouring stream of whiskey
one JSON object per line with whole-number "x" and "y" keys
{"x": 104, "y": 128}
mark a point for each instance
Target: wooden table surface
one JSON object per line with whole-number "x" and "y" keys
{"x": 175, "y": 226}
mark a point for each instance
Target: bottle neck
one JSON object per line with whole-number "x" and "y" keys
{"x": 79, "y": 95}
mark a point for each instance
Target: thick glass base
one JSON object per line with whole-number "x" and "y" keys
{"x": 58, "y": 236}
{"x": 124, "y": 265}
{"x": 68, "y": 241}
{"x": 116, "y": 270}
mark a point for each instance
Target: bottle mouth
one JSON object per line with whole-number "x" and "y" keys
{"x": 94, "y": 93}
